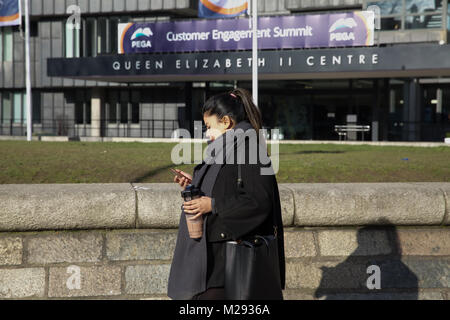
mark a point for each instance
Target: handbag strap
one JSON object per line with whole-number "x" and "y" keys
{"x": 240, "y": 184}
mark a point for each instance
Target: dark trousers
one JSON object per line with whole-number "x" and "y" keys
{"x": 211, "y": 294}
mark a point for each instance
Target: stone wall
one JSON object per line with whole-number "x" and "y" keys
{"x": 116, "y": 241}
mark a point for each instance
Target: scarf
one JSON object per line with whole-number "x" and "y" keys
{"x": 222, "y": 149}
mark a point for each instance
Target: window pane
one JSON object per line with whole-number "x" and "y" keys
{"x": 101, "y": 36}
{"x": 36, "y": 106}
{"x": 391, "y": 23}
{"x": 113, "y": 25}
{"x": 17, "y": 107}
{"x": 7, "y": 44}
{"x": 25, "y": 107}
{"x": 1, "y": 45}
{"x": 79, "y": 113}
{"x": 423, "y": 22}
{"x": 420, "y": 6}
{"x": 6, "y": 110}
{"x": 124, "y": 112}
{"x": 88, "y": 112}
{"x": 77, "y": 43}
{"x": 135, "y": 113}
{"x": 388, "y": 7}
{"x": 90, "y": 41}
{"x": 69, "y": 40}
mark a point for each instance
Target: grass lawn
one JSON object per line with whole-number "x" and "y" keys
{"x": 98, "y": 162}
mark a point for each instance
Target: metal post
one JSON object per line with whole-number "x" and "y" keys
{"x": 28, "y": 72}
{"x": 255, "y": 51}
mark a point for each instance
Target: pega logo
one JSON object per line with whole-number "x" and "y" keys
{"x": 343, "y": 23}
{"x": 137, "y": 40}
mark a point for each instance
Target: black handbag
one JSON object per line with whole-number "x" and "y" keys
{"x": 252, "y": 270}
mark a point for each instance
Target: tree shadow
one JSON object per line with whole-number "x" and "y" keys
{"x": 374, "y": 271}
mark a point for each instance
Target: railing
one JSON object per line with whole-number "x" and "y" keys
{"x": 150, "y": 128}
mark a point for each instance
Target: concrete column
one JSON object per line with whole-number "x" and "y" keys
{"x": 96, "y": 108}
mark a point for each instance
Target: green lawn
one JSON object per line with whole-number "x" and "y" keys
{"x": 97, "y": 162}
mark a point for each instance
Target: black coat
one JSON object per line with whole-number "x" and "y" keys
{"x": 237, "y": 213}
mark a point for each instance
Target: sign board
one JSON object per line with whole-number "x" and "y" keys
{"x": 280, "y": 32}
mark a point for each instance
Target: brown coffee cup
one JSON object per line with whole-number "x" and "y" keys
{"x": 195, "y": 226}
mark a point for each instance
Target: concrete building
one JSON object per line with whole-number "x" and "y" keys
{"x": 400, "y": 87}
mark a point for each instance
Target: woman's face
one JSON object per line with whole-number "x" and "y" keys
{"x": 215, "y": 127}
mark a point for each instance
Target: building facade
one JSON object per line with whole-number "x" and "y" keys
{"x": 82, "y": 87}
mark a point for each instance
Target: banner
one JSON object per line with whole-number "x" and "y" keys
{"x": 281, "y": 32}
{"x": 221, "y": 8}
{"x": 10, "y": 14}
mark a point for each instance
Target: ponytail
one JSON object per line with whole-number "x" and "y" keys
{"x": 251, "y": 110}
{"x": 237, "y": 104}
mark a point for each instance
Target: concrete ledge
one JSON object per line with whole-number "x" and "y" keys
{"x": 157, "y": 206}
{"x": 66, "y": 206}
{"x": 340, "y": 204}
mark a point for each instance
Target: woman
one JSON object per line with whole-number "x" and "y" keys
{"x": 198, "y": 266}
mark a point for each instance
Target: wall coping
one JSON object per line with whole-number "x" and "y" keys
{"x": 33, "y": 207}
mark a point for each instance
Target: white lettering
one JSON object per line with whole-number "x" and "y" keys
{"x": 116, "y": 65}
{"x": 337, "y": 60}
{"x": 310, "y": 61}
{"x": 362, "y": 59}
{"x": 375, "y": 58}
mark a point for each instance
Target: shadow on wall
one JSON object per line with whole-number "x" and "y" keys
{"x": 370, "y": 273}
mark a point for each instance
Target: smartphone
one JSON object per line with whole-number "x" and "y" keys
{"x": 180, "y": 175}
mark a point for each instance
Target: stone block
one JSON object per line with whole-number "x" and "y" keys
{"x": 147, "y": 279}
{"x": 146, "y": 245}
{"x": 299, "y": 244}
{"x": 10, "y": 251}
{"x": 22, "y": 283}
{"x": 93, "y": 281}
{"x": 65, "y": 247}
{"x": 361, "y": 242}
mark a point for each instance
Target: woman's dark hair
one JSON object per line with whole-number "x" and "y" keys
{"x": 237, "y": 104}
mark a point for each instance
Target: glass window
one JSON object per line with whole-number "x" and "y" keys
{"x": 135, "y": 112}
{"x": 102, "y": 35}
{"x": 423, "y": 6}
{"x": 112, "y": 102}
{"x": 113, "y": 25}
{"x": 414, "y": 14}
{"x": 388, "y": 7}
{"x": 6, "y": 110}
{"x": 1, "y": 45}
{"x": 79, "y": 112}
{"x": 7, "y": 44}
{"x": 36, "y": 107}
{"x": 72, "y": 41}
{"x": 25, "y": 107}
{"x": 88, "y": 106}
{"x": 17, "y": 114}
{"x": 124, "y": 112}
{"x": 69, "y": 40}
{"x": 423, "y": 22}
{"x": 91, "y": 38}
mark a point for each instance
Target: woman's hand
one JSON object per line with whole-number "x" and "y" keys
{"x": 183, "y": 182}
{"x": 198, "y": 206}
